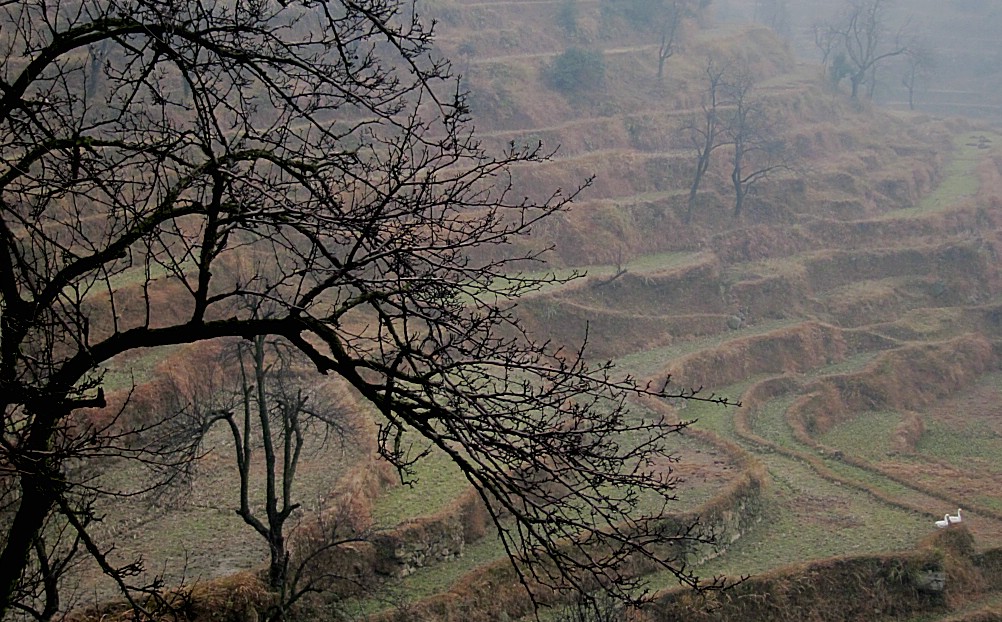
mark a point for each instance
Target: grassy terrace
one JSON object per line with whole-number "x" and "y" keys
{"x": 769, "y": 422}
{"x": 816, "y": 505}
{"x": 652, "y": 362}
{"x": 960, "y": 177}
{"x": 809, "y": 518}
{"x": 867, "y": 435}
{"x": 431, "y": 580}
{"x": 569, "y": 277}
{"x": 815, "y": 508}
{"x": 437, "y": 481}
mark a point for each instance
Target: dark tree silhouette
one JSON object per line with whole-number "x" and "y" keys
{"x": 662, "y": 18}
{"x": 704, "y": 132}
{"x": 164, "y": 163}
{"x": 776, "y": 15}
{"x": 271, "y": 410}
{"x": 758, "y": 150}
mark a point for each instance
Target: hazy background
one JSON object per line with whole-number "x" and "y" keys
{"x": 963, "y": 36}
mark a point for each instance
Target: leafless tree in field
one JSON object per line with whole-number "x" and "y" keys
{"x": 920, "y": 61}
{"x": 271, "y": 413}
{"x": 671, "y": 31}
{"x": 858, "y": 38}
{"x": 704, "y": 131}
{"x": 758, "y": 150}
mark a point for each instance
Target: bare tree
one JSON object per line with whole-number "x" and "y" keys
{"x": 825, "y": 40}
{"x": 664, "y": 18}
{"x": 270, "y": 410}
{"x": 920, "y": 62}
{"x": 670, "y": 30}
{"x": 54, "y": 553}
{"x": 859, "y": 36}
{"x": 758, "y": 149}
{"x": 314, "y": 157}
{"x": 704, "y": 132}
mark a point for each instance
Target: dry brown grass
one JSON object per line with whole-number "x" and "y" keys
{"x": 235, "y": 598}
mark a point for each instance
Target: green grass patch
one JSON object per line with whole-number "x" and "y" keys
{"x": 874, "y": 480}
{"x": 849, "y": 365}
{"x": 960, "y": 178}
{"x": 715, "y": 417}
{"x": 650, "y": 362}
{"x": 927, "y": 324}
{"x": 867, "y": 435}
{"x": 137, "y": 274}
{"x": 428, "y": 581}
{"x": 769, "y": 267}
{"x": 808, "y": 517}
{"x": 440, "y": 577}
{"x": 769, "y": 421}
{"x": 436, "y": 482}
{"x": 644, "y": 264}
{"x": 134, "y": 368}
{"x": 993, "y": 503}
{"x": 660, "y": 261}
{"x": 958, "y": 444}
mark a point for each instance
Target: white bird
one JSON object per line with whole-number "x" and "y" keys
{"x": 955, "y": 519}
{"x": 943, "y": 523}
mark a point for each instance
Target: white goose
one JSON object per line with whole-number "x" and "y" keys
{"x": 943, "y": 523}
{"x": 955, "y": 519}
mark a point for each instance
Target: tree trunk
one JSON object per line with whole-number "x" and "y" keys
{"x": 278, "y": 562}
{"x": 39, "y": 483}
{"x": 694, "y": 189}
{"x": 739, "y": 187}
{"x": 910, "y": 84}
{"x": 38, "y": 497}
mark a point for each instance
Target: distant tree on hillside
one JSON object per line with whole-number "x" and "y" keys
{"x": 663, "y": 18}
{"x": 776, "y": 15}
{"x": 567, "y": 16}
{"x": 272, "y": 413}
{"x": 732, "y": 116}
{"x": 670, "y": 31}
{"x": 170, "y": 167}
{"x": 704, "y": 132}
{"x": 757, "y": 148}
{"x": 825, "y": 42}
{"x": 920, "y": 61}
{"x": 858, "y": 38}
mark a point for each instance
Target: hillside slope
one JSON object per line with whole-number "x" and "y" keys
{"x": 854, "y": 307}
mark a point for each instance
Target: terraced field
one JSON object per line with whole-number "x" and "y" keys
{"x": 855, "y": 311}
{"x": 855, "y": 308}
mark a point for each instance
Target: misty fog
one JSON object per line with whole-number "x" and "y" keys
{"x": 962, "y": 36}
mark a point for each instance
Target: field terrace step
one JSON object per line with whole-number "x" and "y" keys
{"x": 882, "y": 300}
{"x": 792, "y": 349}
